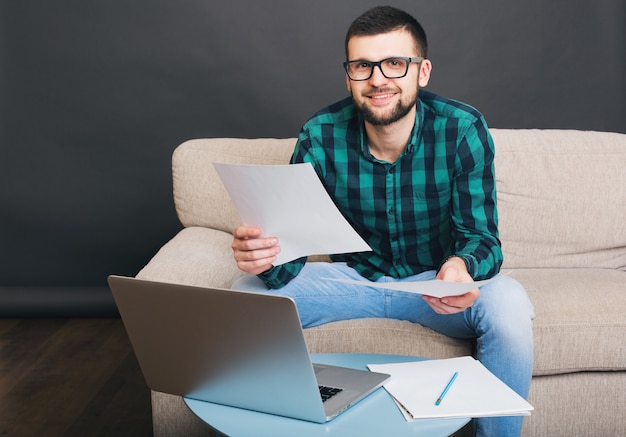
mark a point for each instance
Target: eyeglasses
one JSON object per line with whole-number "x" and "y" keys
{"x": 391, "y": 68}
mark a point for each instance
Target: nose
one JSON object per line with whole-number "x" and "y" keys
{"x": 377, "y": 76}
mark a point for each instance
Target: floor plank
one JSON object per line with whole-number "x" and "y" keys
{"x": 70, "y": 377}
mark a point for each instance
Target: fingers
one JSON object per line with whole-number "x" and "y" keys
{"x": 254, "y": 254}
{"x": 248, "y": 241}
{"x": 440, "y": 307}
{"x": 453, "y": 270}
{"x": 452, "y": 304}
{"x": 243, "y": 232}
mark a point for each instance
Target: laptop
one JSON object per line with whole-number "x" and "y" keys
{"x": 235, "y": 348}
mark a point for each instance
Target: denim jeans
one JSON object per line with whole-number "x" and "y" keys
{"x": 500, "y": 320}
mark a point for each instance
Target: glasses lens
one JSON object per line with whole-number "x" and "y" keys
{"x": 359, "y": 70}
{"x": 394, "y": 67}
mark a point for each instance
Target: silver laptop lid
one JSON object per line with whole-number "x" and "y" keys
{"x": 234, "y": 348}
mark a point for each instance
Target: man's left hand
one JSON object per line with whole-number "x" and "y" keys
{"x": 453, "y": 270}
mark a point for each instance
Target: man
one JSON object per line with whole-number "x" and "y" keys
{"x": 413, "y": 173}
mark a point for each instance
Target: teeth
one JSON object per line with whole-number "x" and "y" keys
{"x": 382, "y": 96}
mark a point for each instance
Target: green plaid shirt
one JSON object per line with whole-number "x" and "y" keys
{"x": 437, "y": 200}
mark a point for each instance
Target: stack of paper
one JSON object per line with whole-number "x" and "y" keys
{"x": 475, "y": 392}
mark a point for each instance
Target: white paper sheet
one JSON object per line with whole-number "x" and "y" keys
{"x": 436, "y": 288}
{"x": 290, "y": 203}
{"x": 476, "y": 392}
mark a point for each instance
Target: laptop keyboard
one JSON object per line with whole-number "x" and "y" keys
{"x": 328, "y": 392}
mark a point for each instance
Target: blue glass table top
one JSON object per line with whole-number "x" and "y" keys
{"x": 376, "y": 415}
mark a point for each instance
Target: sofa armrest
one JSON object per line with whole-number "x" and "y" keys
{"x": 195, "y": 256}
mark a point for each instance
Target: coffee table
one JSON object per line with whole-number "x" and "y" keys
{"x": 376, "y": 415}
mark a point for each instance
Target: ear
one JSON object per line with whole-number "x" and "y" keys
{"x": 348, "y": 84}
{"x": 424, "y": 74}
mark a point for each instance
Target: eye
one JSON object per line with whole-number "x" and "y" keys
{"x": 395, "y": 63}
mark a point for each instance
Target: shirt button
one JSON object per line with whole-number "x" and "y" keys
{"x": 391, "y": 211}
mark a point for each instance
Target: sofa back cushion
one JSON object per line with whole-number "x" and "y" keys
{"x": 561, "y": 198}
{"x": 561, "y": 193}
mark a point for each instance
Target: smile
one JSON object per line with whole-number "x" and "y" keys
{"x": 382, "y": 99}
{"x": 381, "y": 96}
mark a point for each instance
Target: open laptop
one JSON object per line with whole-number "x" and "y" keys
{"x": 234, "y": 348}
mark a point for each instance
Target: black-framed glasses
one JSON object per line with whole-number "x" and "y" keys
{"x": 391, "y": 68}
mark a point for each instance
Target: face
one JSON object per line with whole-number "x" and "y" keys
{"x": 380, "y": 100}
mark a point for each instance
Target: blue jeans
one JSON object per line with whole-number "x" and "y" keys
{"x": 500, "y": 320}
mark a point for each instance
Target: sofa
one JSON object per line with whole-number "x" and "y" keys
{"x": 562, "y": 212}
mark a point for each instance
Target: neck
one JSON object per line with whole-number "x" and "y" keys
{"x": 387, "y": 143}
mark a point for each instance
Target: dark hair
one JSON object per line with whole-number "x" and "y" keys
{"x": 384, "y": 19}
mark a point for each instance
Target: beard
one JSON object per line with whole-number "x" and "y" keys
{"x": 397, "y": 112}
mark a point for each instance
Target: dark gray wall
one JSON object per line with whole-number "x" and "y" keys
{"x": 96, "y": 94}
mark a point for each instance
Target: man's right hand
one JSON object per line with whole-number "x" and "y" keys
{"x": 253, "y": 253}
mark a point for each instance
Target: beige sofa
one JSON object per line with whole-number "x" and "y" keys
{"x": 562, "y": 205}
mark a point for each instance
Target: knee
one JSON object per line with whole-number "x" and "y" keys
{"x": 506, "y": 297}
{"x": 504, "y": 311}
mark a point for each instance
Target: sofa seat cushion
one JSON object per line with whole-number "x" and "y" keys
{"x": 384, "y": 336}
{"x": 580, "y": 322}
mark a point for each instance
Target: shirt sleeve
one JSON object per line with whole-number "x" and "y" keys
{"x": 281, "y": 275}
{"x": 474, "y": 210}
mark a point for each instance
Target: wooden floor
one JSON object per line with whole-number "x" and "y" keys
{"x": 70, "y": 377}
